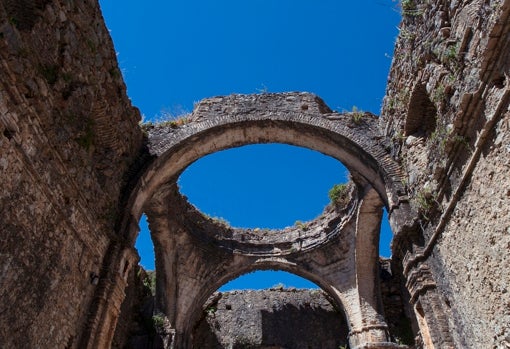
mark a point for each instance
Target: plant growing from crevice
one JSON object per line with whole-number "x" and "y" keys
{"x": 439, "y": 94}
{"x": 425, "y": 202}
{"x": 211, "y": 310}
{"x": 409, "y": 8}
{"x": 450, "y": 57}
{"x": 300, "y": 225}
{"x": 183, "y": 120}
{"x": 149, "y": 282}
{"x": 219, "y": 220}
{"x": 458, "y": 139}
{"x": 158, "y": 322}
{"x": 437, "y": 141}
{"x": 339, "y": 194}
{"x": 398, "y": 137}
{"x": 356, "y": 115}
{"x": 279, "y": 286}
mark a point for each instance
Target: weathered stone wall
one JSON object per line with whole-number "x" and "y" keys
{"x": 274, "y": 318}
{"x": 69, "y": 139}
{"x": 446, "y": 112}
{"x": 68, "y": 134}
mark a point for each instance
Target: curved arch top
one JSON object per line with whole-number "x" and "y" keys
{"x": 296, "y": 118}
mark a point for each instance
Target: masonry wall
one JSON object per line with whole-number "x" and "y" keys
{"x": 69, "y": 138}
{"x": 446, "y": 113}
{"x": 68, "y": 134}
{"x": 274, "y": 318}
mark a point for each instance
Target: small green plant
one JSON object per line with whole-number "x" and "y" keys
{"x": 451, "y": 52}
{"x": 158, "y": 321}
{"x": 220, "y": 221}
{"x": 149, "y": 281}
{"x": 211, "y": 310}
{"x": 398, "y": 137}
{"x": 458, "y": 139}
{"x": 407, "y": 5}
{"x": 407, "y": 35}
{"x": 450, "y": 58}
{"x": 356, "y": 115}
{"x": 437, "y": 141}
{"x": 177, "y": 122}
{"x": 409, "y": 8}
{"x": 425, "y": 201}
{"x": 301, "y": 225}
{"x": 279, "y": 286}
{"x": 339, "y": 194}
{"x": 439, "y": 94}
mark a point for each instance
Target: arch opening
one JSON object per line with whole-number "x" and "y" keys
{"x": 385, "y": 236}
{"x": 355, "y": 146}
{"x": 269, "y": 186}
{"x": 272, "y": 316}
{"x": 266, "y": 279}
{"x": 337, "y": 135}
{"x": 144, "y": 245}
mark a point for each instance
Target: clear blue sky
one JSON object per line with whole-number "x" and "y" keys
{"x": 175, "y": 53}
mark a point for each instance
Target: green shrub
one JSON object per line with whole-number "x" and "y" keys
{"x": 356, "y": 115}
{"x": 158, "y": 321}
{"x": 339, "y": 194}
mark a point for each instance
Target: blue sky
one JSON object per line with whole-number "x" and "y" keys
{"x": 175, "y": 53}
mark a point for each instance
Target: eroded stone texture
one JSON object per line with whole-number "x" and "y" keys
{"x": 275, "y": 318}
{"x": 446, "y": 111}
{"x": 74, "y": 185}
{"x": 68, "y": 134}
{"x": 195, "y": 255}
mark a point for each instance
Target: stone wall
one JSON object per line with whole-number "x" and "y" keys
{"x": 69, "y": 145}
{"x": 446, "y": 113}
{"x": 68, "y": 134}
{"x": 274, "y": 318}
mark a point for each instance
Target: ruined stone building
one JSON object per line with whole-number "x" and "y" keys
{"x": 77, "y": 172}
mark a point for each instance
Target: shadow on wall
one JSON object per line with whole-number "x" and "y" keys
{"x": 300, "y": 319}
{"x": 303, "y": 327}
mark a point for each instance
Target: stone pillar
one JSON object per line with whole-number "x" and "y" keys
{"x": 370, "y": 336}
{"x": 427, "y": 304}
{"x": 111, "y": 294}
{"x": 368, "y": 327}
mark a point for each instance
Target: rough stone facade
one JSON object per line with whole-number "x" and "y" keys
{"x": 77, "y": 173}
{"x": 274, "y": 318}
{"x": 447, "y": 112}
{"x": 68, "y": 135}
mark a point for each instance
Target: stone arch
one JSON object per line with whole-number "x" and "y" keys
{"x": 191, "y": 257}
{"x": 196, "y": 255}
{"x": 300, "y": 119}
{"x": 281, "y": 265}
